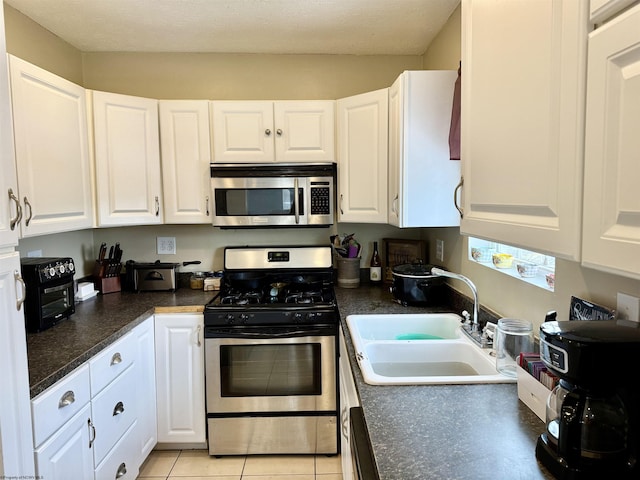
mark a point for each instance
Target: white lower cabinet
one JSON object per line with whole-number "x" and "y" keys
{"x": 99, "y": 419}
{"x": 348, "y": 398}
{"x": 67, "y": 453}
{"x": 180, "y": 379}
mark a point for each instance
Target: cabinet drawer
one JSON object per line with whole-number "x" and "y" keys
{"x": 121, "y": 462}
{"x": 58, "y": 403}
{"x": 111, "y": 362}
{"x": 113, "y": 411}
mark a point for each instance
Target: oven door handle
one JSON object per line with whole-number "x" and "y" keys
{"x": 262, "y": 335}
{"x": 57, "y": 289}
{"x": 296, "y": 206}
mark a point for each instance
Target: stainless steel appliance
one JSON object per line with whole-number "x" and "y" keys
{"x": 153, "y": 276}
{"x": 271, "y": 353}
{"x": 273, "y": 195}
{"x": 364, "y": 463}
{"x": 50, "y": 291}
{"x": 592, "y": 415}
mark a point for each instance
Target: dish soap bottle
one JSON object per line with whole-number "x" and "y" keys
{"x": 375, "y": 271}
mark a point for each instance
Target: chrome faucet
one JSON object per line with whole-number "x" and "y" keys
{"x": 474, "y": 324}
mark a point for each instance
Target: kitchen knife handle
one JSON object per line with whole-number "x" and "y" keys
{"x": 14, "y": 221}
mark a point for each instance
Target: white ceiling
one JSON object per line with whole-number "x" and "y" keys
{"x": 359, "y": 27}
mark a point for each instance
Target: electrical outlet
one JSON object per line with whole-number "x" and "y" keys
{"x": 440, "y": 250}
{"x": 628, "y": 307}
{"x": 166, "y": 245}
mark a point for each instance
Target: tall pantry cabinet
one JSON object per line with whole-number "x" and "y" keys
{"x": 16, "y": 443}
{"x": 523, "y": 89}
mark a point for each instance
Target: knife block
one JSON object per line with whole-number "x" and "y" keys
{"x": 106, "y": 276}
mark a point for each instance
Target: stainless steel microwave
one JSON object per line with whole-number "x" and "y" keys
{"x": 273, "y": 195}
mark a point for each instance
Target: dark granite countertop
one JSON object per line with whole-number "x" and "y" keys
{"x": 417, "y": 432}
{"x": 97, "y": 323}
{"x": 441, "y": 431}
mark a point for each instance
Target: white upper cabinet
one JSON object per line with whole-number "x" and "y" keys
{"x": 186, "y": 155}
{"x": 602, "y": 9}
{"x": 305, "y": 131}
{"x": 265, "y": 131}
{"x": 611, "y": 237}
{"x": 52, "y": 153}
{"x": 127, "y": 157}
{"x": 362, "y": 125}
{"x": 523, "y": 89}
{"x": 10, "y": 205}
{"x": 422, "y": 178}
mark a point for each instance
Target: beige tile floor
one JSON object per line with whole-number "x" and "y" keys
{"x": 198, "y": 465}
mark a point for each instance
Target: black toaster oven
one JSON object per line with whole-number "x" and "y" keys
{"x": 50, "y": 291}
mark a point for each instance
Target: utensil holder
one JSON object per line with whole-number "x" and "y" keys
{"x": 348, "y": 272}
{"x": 106, "y": 276}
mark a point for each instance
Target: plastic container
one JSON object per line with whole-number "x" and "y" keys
{"x": 513, "y": 337}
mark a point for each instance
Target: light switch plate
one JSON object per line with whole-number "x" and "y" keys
{"x": 166, "y": 245}
{"x": 440, "y": 250}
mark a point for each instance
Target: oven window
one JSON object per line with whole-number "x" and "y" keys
{"x": 270, "y": 370}
{"x": 56, "y": 300}
{"x": 256, "y": 201}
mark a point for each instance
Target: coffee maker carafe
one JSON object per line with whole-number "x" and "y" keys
{"x": 592, "y": 415}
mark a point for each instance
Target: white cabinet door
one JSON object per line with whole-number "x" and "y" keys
{"x": 67, "y": 454}
{"x": 304, "y": 131}
{"x": 602, "y": 9}
{"x": 362, "y": 124}
{"x": 127, "y": 156}
{"x": 186, "y": 155}
{"x": 348, "y": 399}
{"x": 523, "y": 88}
{"x": 611, "y": 239}
{"x": 422, "y": 178}
{"x": 16, "y": 441}
{"x": 52, "y": 152}
{"x": 180, "y": 378}
{"x": 243, "y": 132}
{"x": 264, "y": 132}
{"x": 10, "y": 206}
{"x": 146, "y": 427}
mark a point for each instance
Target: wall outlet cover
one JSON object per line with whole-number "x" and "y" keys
{"x": 628, "y": 307}
{"x": 166, "y": 245}
{"x": 440, "y": 250}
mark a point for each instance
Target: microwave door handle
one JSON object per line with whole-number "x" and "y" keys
{"x": 57, "y": 289}
{"x": 296, "y": 206}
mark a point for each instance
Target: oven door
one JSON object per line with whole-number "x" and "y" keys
{"x": 259, "y": 201}
{"x": 270, "y": 369}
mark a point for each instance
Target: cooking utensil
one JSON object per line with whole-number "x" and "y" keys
{"x": 246, "y": 280}
{"x": 413, "y": 284}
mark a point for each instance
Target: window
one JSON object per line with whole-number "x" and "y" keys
{"x": 531, "y": 267}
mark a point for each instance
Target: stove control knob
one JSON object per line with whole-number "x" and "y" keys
{"x": 52, "y": 272}
{"x": 229, "y": 318}
{"x": 297, "y": 317}
{"x": 71, "y": 267}
{"x": 243, "y": 318}
{"x": 61, "y": 269}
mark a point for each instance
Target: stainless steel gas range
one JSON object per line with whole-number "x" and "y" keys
{"x": 271, "y": 353}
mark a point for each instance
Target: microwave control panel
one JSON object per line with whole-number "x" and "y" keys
{"x": 320, "y": 200}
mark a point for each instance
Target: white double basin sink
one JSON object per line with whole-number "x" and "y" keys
{"x": 419, "y": 349}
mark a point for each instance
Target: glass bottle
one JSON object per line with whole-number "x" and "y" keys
{"x": 375, "y": 270}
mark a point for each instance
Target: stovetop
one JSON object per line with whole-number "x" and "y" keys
{"x": 274, "y": 285}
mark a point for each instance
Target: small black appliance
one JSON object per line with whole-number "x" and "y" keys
{"x": 592, "y": 415}
{"x": 50, "y": 291}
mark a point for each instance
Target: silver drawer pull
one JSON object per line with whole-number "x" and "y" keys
{"x": 116, "y": 359}
{"x": 92, "y": 432}
{"x": 118, "y": 409}
{"x": 122, "y": 471}
{"x": 67, "y": 399}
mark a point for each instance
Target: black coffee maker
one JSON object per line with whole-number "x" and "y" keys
{"x": 592, "y": 415}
